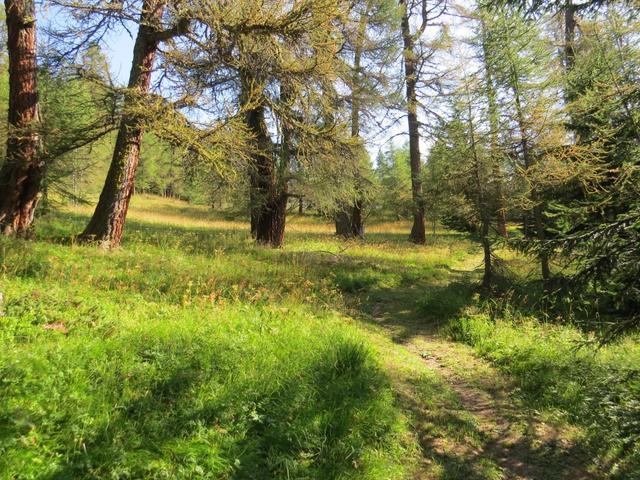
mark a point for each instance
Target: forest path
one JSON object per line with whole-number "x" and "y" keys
{"x": 467, "y": 416}
{"x": 471, "y": 424}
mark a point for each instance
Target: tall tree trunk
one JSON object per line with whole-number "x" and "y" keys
{"x": 357, "y": 220}
{"x": 500, "y": 209}
{"x": 22, "y": 173}
{"x": 108, "y": 219}
{"x": 538, "y": 215}
{"x": 349, "y": 219}
{"x": 269, "y": 187}
{"x": 418, "y": 234}
{"x": 481, "y": 202}
{"x": 569, "y": 35}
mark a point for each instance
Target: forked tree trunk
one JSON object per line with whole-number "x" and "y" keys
{"x": 23, "y": 170}
{"x": 418, "y": 234}
{"x": 268, "y": 196}
{"x": 108, "y": 219}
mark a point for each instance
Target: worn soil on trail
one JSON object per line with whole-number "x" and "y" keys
{"x": 468, "y": 418}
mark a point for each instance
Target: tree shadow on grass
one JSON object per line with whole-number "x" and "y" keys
{"x": 318, "y": 422}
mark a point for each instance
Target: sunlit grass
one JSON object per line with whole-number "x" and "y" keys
{"x": 191, "y": 352}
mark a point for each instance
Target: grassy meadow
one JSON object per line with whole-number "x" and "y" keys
{"x": 192, "y": 353}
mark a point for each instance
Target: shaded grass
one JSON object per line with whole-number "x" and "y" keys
{"x": 147, "y": 390}
{"x": 189, "y": 353}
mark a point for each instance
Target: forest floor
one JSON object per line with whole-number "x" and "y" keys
{"x": 192, "y": 353}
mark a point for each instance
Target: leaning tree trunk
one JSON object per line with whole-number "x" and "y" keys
{"x": 23, "y": 170}
{"x": 418, "y": 229}
{"x": 108, "y": 219}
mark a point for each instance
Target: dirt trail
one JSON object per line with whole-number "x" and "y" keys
{"x": 522, "y": 445}
{"x": 475, "y": 426}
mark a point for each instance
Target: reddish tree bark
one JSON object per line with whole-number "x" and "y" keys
{"x": 108, "y": 219}
{"x": 22, "y": 172}
{"x": 418, "y": 234}
{"x": 269, "y": 194}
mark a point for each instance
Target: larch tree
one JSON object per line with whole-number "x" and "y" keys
{"x": 107, "y": 222}
{"x": 277, "y": 65}
{"x": 23, "y": 169}
{"x": 416, "y": 16}
{"x": 524, "y": 72}
{"x": 460, "y": 163}
{"x": 310, "y": 58}
{"x": 597, "y": 222}
{"x": 480, "y": 173}
{"x": 497, "y": 157}
{"x": 369, "y": 50}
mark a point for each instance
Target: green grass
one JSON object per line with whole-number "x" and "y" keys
{"x": 161, "y": 392}
{"x": 179, "y": 356}
{"x": 193, "y": 353}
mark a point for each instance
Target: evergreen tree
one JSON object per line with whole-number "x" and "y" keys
{"x": 597, "y": 226}
{"x": 369, "y": 48}
{"x": 524, "y": 73}
{"x": 394, "y": 179}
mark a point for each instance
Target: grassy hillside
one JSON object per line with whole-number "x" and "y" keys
{"x": 192, "y": 353}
